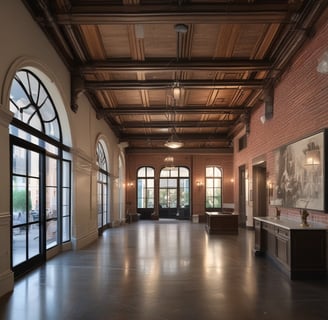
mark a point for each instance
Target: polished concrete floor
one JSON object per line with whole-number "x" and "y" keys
{"x": 160, "y": 270}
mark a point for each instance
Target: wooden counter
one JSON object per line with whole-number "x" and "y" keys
{"x": 221, "y": 223}
{"x": 298, "y": 251}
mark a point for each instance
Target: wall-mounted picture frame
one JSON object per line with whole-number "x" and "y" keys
{"x": 300, "y": 173}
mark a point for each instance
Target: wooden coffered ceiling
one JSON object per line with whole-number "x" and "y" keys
{"x": 126, "y": 57}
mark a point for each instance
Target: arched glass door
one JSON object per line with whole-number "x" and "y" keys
{"x": 174, "y": 193}
{"x": 102, "y": 187}
{"x": 40, "y": 174}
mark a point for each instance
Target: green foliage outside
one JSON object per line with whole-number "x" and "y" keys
{"x": 19, "y": 201}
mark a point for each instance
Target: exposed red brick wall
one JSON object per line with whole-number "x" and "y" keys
{"x": 300, "y": 109}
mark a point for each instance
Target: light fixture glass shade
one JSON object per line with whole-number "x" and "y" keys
{"x": 323, "y": 63}
{"x": 173, "y": 144}
{"x": 176, "y": 92}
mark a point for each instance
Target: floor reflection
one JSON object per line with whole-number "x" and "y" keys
{"x": 165, "y": 270}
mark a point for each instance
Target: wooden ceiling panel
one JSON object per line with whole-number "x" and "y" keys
{"x": 126, "y": 56}
{"x": 128, "y": 97}
{"x": 93, "y": 42}
{"x": 247, "y": 40}
{"x": 198, "y": 97}
{"x": 160, "y": 40}
{"x": 115, "y": 41}
{"x": 204, "y": 40}
{"x": 159, "y": 97}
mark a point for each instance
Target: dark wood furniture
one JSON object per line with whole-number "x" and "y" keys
{"x": 132, "y": 217}
{"x": 221, "y": 223}
{"x": 298, "y": 251}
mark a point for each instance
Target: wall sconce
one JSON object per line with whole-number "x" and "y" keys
{"x": 199, "y": 184}
{"x": 130, "y": 184}
{"x": 232, "y": 180}
{"x": 270, "y": 189}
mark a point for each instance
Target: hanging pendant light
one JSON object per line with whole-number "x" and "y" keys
{"x": 173, "y": 143}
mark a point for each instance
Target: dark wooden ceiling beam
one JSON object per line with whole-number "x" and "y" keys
{"x": 177, "y": 124}
{"x": 182, "y": 137}
{"x": 124, "y": 110}
{"x": 120, "y": 65}
{"x": 102, "y": 13}
{"x": 165, "y": 84}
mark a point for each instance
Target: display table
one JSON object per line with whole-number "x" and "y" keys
{"x": 221, "y": 223}
{"x": 298, "y": 251}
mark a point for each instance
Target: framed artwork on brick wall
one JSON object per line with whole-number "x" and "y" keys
{"x": 300, "y": 173}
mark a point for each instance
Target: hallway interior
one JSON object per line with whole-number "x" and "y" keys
{"x": 164, "y": 270}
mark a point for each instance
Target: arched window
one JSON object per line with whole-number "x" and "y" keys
{"x": 102, "y": 186}
{"x": 146, "y": 184}
{"x": 40, "y": 173}
{"x": 213, "y": 188}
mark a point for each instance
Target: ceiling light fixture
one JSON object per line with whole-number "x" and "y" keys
{"x": 173, "y": 143}
{"x": 176, "y": 91}
{"x": 169, "y": 162}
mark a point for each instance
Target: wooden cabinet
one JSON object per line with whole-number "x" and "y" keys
{"x": 298, "y": 251}
{"x": 221, "y": 223}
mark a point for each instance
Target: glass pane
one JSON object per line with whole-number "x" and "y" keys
{"x": 217, "y": 202}
{"x": 47, "y": 110}
{"x": 51, "y": 233}
{"x": 52, "y": 129}
{"x": 174, "y": 172}
{"x": 209, "y": 192}
{"x": 33, "y": 193}
{"x": 51, "y": 165}
{"x": 66, "y": 174}
{"x": 141, "y": 184}
{"x": 209, "y": 183}
{"x": 172, "y": 183}
{"x": 51, "y": 148}
{"x": 165, "y": 173}
{"x": 163, "y": 198}
{"x": 33, "y": 240}
{"x": 19, "y": 245}
{"x": 150, "y": 203}
{"x": 66, "y": 229}
{"x": 217, "y": 172}
{"x": 217, "y": 183}
{"x": 184, "y": 172}
{"x": 150, "y": 172}
{"x": 19, "y": 160}
{"x": 99, "y": 218}
{"x": 18, "y": 98}
{"x": 209, "y": 172}
{"x": 19, "y": 204}
{"x": 184, "y": 183}
{"x": 150, "y": 183}
{"x": 34, "y": 122}
{"x": 51, "y": 202}
{"x": 140, "y": 203}
{"x": 65, "y": 198}
{"x": 33, "y": 164}
{"x": 142, "y": 172}
{"x": 172, "y": 201}
{"x": 163, "y": 183}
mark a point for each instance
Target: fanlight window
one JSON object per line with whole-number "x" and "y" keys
{"x": 31, "y": 103}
